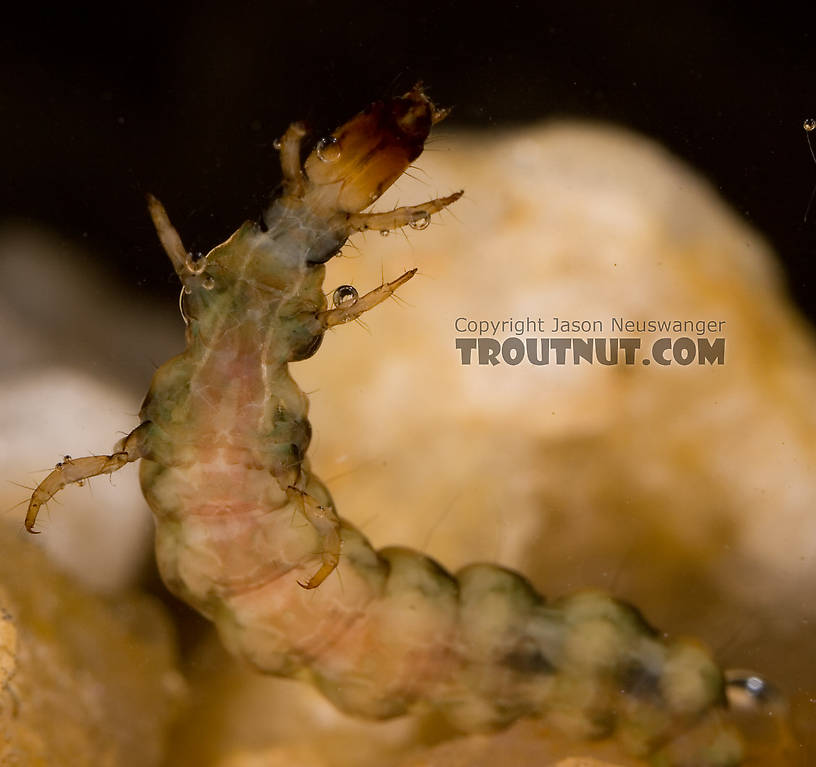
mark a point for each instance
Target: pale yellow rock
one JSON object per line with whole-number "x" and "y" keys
{"x": 83, "y": 681}
{"x": 578, "y": 222}
{"x": 687, "y": 490}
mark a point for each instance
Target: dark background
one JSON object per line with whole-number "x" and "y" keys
{"x": 99, "y": 107}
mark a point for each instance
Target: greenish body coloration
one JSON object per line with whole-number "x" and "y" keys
{"x": 247, "y": 534}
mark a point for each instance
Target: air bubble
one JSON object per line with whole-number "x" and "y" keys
{"x": 186, "y": 290}
{"x": 809, "y": 124}
{"x": 755, "y": 685}
{"x": 328, "y": 149}
{"x": 276, "y": 144}
{"x": 385, "y": 232}
{"x": 195, "y": 263}
{"x": 208, "y": 283}
{"x": 423, "y": 222}
{"x": 345, "y": 295}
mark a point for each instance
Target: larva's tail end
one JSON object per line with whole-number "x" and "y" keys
{"x": 366, "y": 155}
{"x": 763, "y": 715}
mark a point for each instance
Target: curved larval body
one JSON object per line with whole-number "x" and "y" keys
{"x": 249, "y": 536}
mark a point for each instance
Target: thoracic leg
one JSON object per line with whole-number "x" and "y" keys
{"x": 394, "y": 219}
{"x": 290, "y": 158}
{"x": 327, "y": 524}
{"x": 71, "y": 470}
{"x": 343, "y": 314}
{"x": 168, "y": 235}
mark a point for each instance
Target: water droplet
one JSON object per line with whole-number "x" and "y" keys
{"x": 809, "y": 124}
{"x": 195, "y": 263}
{"x": 328, "y": 149}
{"x": 755, "y": 685}
{"x": 345, "y": 295}
{"x": 276, "y": 144}
{"x": 423, "y": 222}
{"x": 384, "y": 232}
{"x": 208, "y": 283}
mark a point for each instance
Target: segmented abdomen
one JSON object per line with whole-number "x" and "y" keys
{"x": 394, "y": 629}
{"x": 249, "y": 536}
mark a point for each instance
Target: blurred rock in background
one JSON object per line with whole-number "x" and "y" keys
{"x": 84, "y": 681}
{"x": 76, "y": 361}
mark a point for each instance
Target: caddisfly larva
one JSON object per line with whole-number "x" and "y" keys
{"x": 223, "y": 439}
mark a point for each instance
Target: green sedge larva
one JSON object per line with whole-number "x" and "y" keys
{"x": 223, "y": 440}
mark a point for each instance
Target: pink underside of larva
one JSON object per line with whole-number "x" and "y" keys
{"x": 244, "y": 541}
